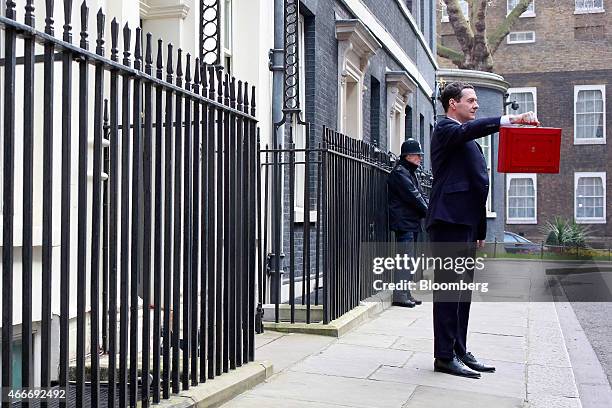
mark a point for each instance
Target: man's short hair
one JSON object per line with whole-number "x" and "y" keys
{"x": 453, "y": 91}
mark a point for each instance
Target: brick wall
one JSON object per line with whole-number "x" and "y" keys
{"x": 569, "y": 49}
{"x": 555, "y": 105}
{"x": 564, "y": 41}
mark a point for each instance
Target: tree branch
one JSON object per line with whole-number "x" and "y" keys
{"x": 503, "y": 29}
{"x": 481, "y": 47}
{"x": 455, "y": 56}
{"x": 462, "y": 29}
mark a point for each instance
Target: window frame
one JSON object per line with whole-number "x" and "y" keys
{"x": 227, "y": 53}
{"x": 526, "y": 89}
{"x": 526, "y": 13}
{"x": 444, "y": 16}
{"x": 488, "y": 149}
{"x": 510, "y": 42}
{"x": 590, "y": 140}
{"x": 590, "y": 220}
{"x": 589, "y": 10}
{"x": 522, "y": 220}
{"x": 300, "y": 132}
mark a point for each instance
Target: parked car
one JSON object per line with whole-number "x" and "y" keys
{"x": 514, "y": 243}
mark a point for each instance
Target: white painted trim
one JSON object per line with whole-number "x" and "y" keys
{"x": 589, "y": 10}
{"x": 587, "y": 141}
{"x": 593, "y": 220}
{"x": 399, "y": 87}
{"x": 476, "y": 78}
{"x": 527, "y": 13}
{"x": 151, "y": 12}
{"x": 592, "y": 11}
{"x": 445, "y": 19}
{"x": 508, "y": 41}
{"x": 531, "y": 89}
{"x": 524, "y": 220}
{"x": 387, "y": 41}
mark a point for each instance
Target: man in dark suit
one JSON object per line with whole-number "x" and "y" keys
{"x": 407, "y": 207}
{"x": 456, "y": 219}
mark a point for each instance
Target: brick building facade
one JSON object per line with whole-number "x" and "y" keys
{"x": 557, "y": 59}
{"x": 383, "y": 50}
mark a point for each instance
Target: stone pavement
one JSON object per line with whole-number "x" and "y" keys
{"x": 387, "y": 362}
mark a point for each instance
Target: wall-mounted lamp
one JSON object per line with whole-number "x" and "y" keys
{"x": 513, "y": 104}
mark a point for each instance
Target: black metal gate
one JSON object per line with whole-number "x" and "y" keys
{"x": 344, "y": 184}
{"x": 178, "y": 212}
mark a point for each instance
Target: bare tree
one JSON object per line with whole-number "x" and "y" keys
{"x": 477, "y": 42}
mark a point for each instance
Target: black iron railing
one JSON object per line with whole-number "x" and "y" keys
{"x": 174, "y": 224}
{"x": 342, "y": 184}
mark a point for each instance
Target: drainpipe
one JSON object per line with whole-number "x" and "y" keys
{"x": 277, "y": 67}
{"x": 276, "y": 216}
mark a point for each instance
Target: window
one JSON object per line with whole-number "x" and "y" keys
{"x": 510, "y": 238}
{"x": 589, "y": 114}
{"x": 526, "y": 99}
{"x": 300, "y": 131}
{"x": 422, "y": 15}
{"x": 465, "y": 8}
{"x": 521, "y": 199}
{"x": 356, "y": 45}
{"x": 588, "y": 6}
{"x": 590, "y": 198}
{"x": 374, "y": 111}
{"x": 422, "y": 130}
{"x": 485, "y": 144}
{"x": 16, "y": 357}
{"x": 408, "y": 123}
{"x": 228, "y": 27}
{"x": 399, "y": 88}
{"x": 530, "y": 12}
{"x": 521, "y": 37}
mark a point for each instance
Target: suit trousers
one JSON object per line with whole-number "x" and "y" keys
{"x": 451, "y": 308}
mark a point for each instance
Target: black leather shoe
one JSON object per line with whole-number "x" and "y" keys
{"x": 470, "y": 361}
{"x": 454, "y": 367}
{"x": 404, "y": 303}
{"x": 415, "y": 301}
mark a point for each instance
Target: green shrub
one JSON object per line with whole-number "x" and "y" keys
{"x": 566, "y": 233}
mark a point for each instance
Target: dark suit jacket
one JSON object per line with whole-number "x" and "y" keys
{"x": 460, "y": 177}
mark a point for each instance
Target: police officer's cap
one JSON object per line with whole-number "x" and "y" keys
{"x": 411, "y": 146}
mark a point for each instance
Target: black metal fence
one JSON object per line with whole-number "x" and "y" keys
{"x": 342, "y": 184}
{"x": 174, "y": 224}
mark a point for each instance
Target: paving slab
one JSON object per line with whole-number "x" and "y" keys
{"x": 348, "y": 360}
{"x": 436, "y": 397}
{"x": 498, "y": 347}
{"x": 508, "y": 381}
{"x": 250, "y": 401}
{"x": 290, "y": 348}
{"x": 423, "y": 345}
{"x": 265, "y": 338}
{"x": 336, "y": 390}
{"x": 388, "y": 362}
{"x": 368, "y": 339}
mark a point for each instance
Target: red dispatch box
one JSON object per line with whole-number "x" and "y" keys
{"x": 529, "y": 149}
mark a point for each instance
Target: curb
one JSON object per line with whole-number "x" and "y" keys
{"x": 591, "y": 381}
{"x": 217, "y": 392}
{"x": 336, "y": 328}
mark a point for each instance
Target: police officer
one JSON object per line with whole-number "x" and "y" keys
{"x": 407, "y": 207}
